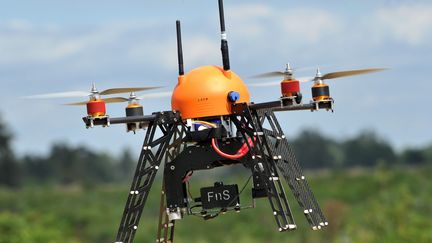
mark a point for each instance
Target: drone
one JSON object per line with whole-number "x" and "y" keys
{"x": 212, "y": 124}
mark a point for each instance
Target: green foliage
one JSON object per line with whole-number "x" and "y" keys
{"x": 387, "y": 204}
{"x": 361, "y": 206}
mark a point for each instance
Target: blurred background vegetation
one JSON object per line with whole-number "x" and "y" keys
{"x": 369, "y": 191}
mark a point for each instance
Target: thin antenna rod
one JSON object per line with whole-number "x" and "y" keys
{"x": 224, "y": 42}
{"x": 179, "y": 49}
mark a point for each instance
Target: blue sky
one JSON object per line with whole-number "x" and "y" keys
{"x": 50, "y": 46}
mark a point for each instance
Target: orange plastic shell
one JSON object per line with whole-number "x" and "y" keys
{"x": 203, "y": 92}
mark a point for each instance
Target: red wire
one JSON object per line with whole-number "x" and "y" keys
{"x": 244, "y": 149}
{"x": 187, "y": 177}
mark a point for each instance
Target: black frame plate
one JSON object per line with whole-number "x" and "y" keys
{"x": 220, "y": 196}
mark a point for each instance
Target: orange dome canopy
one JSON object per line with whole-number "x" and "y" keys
{"x": 203, "y": 92}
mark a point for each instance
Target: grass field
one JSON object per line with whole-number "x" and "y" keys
{"x": 377, "y": 205}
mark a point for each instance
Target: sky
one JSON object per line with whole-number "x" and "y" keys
{"x": 53, "y": 46}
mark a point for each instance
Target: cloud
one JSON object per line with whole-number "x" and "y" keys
{"x": 311, "y": 25}
{"x": 261, "y": 20}
{"x": 33, "y": 44}
{"x": 22, "y": 42}
{"x": 143, "y": 43}
{"x": 401, "y": 23}
{"x": 17, "y": 25}
{"x": 201, "y": 50}
{"x": 131, "y": 42}
{"x": 411, "y": 24}
{"x": 249, "y": 11}
{"x": 197, "y": 50}
{"x": 250, "y": 18}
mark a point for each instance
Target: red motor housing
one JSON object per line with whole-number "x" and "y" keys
{"x": 290, "y": 88}
{"x": 96, "y": 108}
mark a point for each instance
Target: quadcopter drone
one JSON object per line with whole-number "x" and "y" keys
{"x": 213, "y": 123}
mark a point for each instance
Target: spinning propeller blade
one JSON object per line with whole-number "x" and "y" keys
{"x": 107, "y": 100}
{"x": 77, "y": 103}
{"x": 341, "y": 74}
{"x": 277, "y": 83}
{"x": 350, "y": 73}
{"x": 286, "y": 75}
{"x": 71, "y": 94}
{"x": 93, "y": 91}
{"x": 145, "y": 96}
{"x": 288, "y": 69}
{"x": 332, "y": 75}
{"x": 156, "y": 95}
{"x": 265, "y": 84}
{"x": 125, "y": 90}
{"x": 269, "y": 75}
{"x": 115, "y": 100}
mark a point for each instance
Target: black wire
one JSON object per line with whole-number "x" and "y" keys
{"x": 244, "y": 187}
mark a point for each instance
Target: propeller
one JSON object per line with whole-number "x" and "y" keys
{"x": 107, "y": 100}
{"x": 132, "y": 98}
{"x": 276, "y": 83}
{"x": 288, "y": 72}
{"x": 341, "y": 74}
{"x": 318, "y": 76}
{"x": 92, "y": 92}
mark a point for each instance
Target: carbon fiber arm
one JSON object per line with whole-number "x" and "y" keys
{"x": 155, "y": 149}
{"x": 291, "y": 170}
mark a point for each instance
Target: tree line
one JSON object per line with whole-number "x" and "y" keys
{"x": 366, "y": 149}
{"x": 66, "y": 164}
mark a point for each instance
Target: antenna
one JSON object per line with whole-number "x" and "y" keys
{"x": 179, "y": 49}
{"x": 224, "y": 42}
